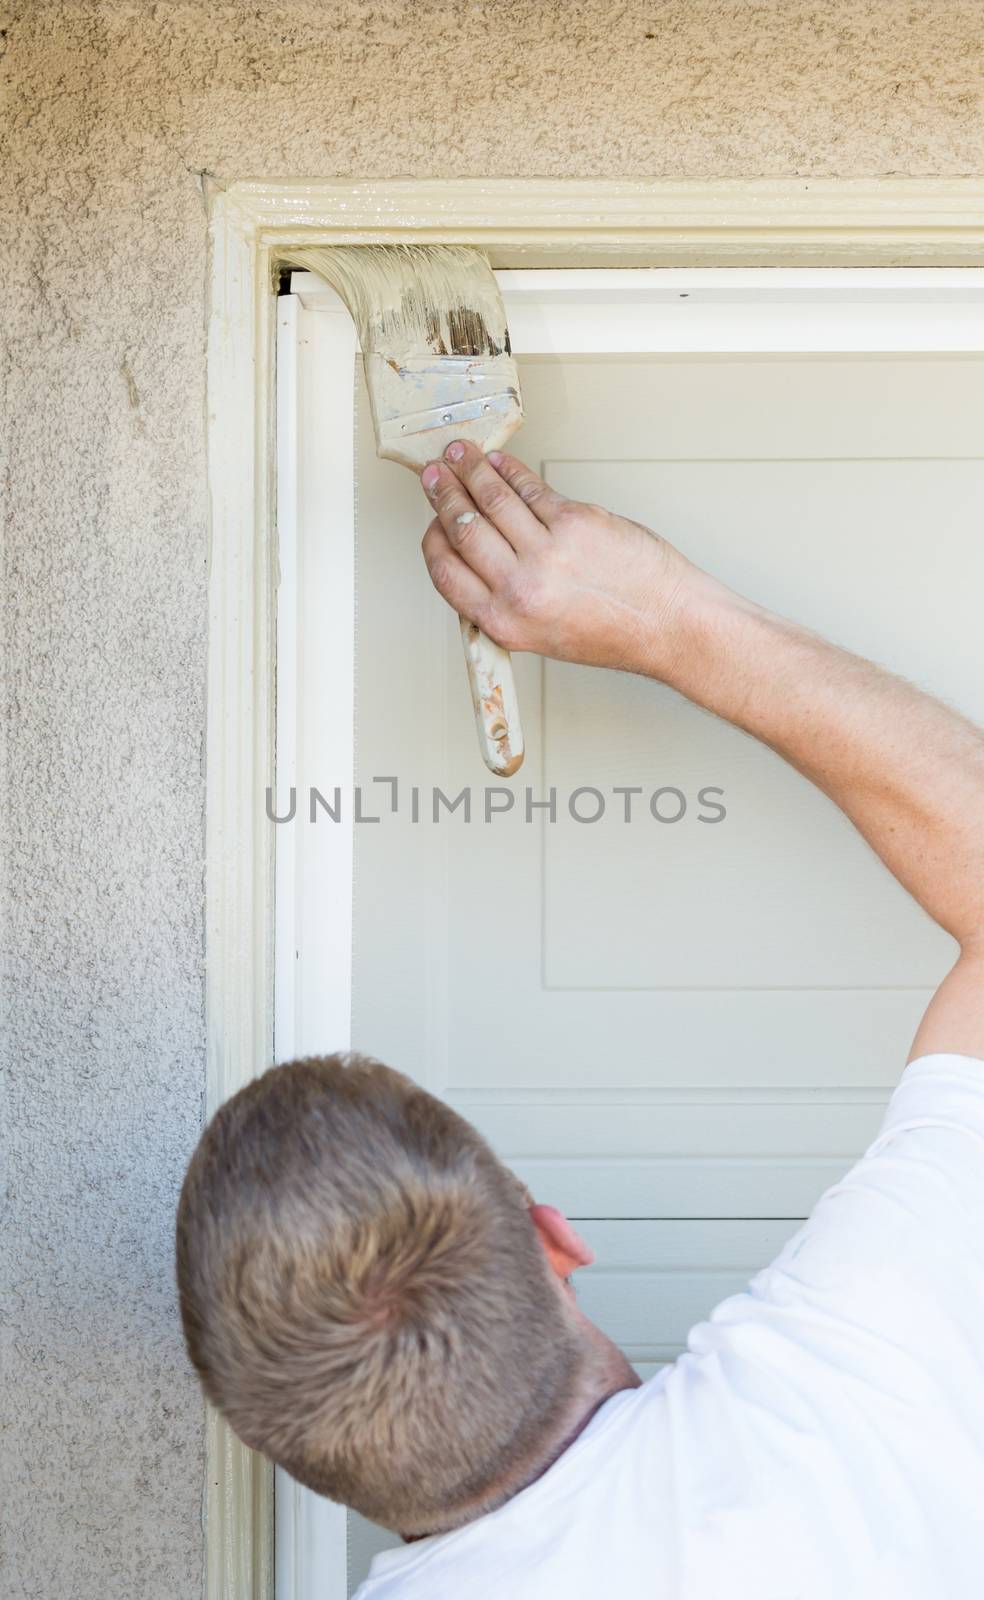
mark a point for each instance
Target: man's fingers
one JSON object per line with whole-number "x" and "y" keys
{"x": 472, "y": 536}
{"x": 453, "y": 578}
{"x": 495, "y": 497}
{"x": 543, "y": 501}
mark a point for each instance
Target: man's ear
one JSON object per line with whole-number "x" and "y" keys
{"x": 564, "y": 1247}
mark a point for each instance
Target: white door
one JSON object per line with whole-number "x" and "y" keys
{"x": 668, "y": 983}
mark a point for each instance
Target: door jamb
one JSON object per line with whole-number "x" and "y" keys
{"x": 520, "y": 223}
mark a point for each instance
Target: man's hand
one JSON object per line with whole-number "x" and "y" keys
{"x": 538, "y": 572}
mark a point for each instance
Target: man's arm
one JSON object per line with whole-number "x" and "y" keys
{"x": 908, "y": 771}
{"x": 538, "y": 572}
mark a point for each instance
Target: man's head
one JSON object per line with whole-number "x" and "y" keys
{"x": 368, "y": 1295}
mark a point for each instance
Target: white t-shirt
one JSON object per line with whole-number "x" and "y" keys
{"x": 822, "y": 1437}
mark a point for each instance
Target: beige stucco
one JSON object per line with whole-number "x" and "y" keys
{"x": 111, "y": 113}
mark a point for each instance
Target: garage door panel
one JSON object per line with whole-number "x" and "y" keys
{"x": 568, "y": 1122}
{"x": 675, "y": 1039}
{"x": 779, "y": 893}
{"x": 655, "y": 1280}
{"x": 754, "y": 408}
{"x": 685, "y": 1186}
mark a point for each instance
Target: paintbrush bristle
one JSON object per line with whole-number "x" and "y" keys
{"x": 435, "y": 346}
{"x": 438, "y": 299}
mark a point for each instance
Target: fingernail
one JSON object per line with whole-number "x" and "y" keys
{"x": 495, "y": 456}
{"x": 430, "y": 475}
{"x": 454, "y": 452}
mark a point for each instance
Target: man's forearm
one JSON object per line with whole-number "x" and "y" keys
{"x": 908, "y": 771}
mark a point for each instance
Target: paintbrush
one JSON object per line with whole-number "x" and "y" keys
{"x": 435, "y": 345}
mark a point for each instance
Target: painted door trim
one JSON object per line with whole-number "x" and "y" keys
{"x": 522, "y": 223}
{"x": 663, "y": 222}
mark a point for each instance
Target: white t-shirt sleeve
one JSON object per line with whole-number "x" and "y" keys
{"x": 891, "y": 1262}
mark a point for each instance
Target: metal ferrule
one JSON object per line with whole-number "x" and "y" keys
{"x": 434, "y": 394}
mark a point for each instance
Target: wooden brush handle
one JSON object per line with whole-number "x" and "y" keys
{"x": 419, "y": 405}
{"x": 493, "y": 692}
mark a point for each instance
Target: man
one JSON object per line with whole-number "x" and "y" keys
{"x": 371, "y": 1299}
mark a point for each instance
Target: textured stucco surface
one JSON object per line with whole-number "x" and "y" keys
{"x": 110, "y": 112}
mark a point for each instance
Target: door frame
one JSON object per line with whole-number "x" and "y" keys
{"x": 890, "y": 222}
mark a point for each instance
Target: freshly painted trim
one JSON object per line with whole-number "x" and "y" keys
{"x": 315, "y": 693}
{"x": 759, "y": 221}
{"x": 522, "y": 223}
{"x": 238, "y": 865}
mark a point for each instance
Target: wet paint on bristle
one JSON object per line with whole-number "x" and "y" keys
{"x": 414, "y": 298}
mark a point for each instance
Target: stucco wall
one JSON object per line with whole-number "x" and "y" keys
{"x": 111, "y": 111}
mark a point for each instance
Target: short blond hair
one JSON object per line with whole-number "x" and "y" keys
{"x": 363, "y": 1293}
